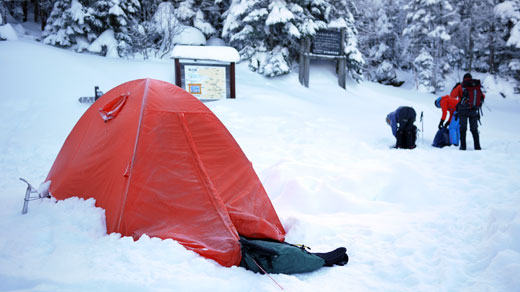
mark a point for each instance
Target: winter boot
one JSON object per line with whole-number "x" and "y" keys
{"x": 462, "y": 141}
{"x": 476, "y": 140}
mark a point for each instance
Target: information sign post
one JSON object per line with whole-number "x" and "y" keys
{"x": 202, "y": 73}
{"x": 326, "y": 44}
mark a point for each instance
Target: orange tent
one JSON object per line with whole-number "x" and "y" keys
{"x": 161, "y": 163}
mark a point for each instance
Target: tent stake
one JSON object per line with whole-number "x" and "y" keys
{"x": 30, "y": 190}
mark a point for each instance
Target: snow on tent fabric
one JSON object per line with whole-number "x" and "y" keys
{"x": 165, "y": 166}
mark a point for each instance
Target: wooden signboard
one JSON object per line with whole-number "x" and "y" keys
{"x": 326, "y": 44}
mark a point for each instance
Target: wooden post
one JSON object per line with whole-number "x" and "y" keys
{"x": 232, "y": 93}
{"x": 178, "y": 79}
{"x": 342, "y": 62}
{"x": 302, "y": 52}
{"x": 307, "y": 62}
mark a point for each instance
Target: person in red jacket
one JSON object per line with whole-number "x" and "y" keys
{"x": 469, "y": 111}
{"x": 447, "y": 104}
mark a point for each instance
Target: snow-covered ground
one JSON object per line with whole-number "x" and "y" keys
{"x": 426, "y": 219}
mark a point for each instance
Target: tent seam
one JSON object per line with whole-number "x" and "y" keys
{"x": 125, "y": 195}
{"x": 176, "y": 111}
{"x": 204, "y": 179}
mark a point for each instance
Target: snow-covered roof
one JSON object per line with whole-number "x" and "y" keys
{"x": 213, "y": 53}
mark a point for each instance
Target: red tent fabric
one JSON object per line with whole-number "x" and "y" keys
{"x": 161, "y": 163}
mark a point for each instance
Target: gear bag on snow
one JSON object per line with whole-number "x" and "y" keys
{"x": 266, "y": 256}
{"x": 442, "y": 138}
{"x": 406, "y": 131}
{"x": 454, "y": 130}
{"x": 472, "y": 96}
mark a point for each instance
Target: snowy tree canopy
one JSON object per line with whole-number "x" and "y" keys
{"x": 382, "y": 36}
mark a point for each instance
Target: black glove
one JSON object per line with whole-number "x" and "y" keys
{"x": 440, "y": 124}
{"x": 447, "y": 124}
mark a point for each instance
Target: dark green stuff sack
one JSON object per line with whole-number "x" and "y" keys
{"x": 277, "y": 257}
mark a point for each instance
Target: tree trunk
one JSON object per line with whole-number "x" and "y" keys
{"x": 2, "y": 14}
{"x": 492, "y": 68}
{"x": 24, "y": 10}
{"x": 471, "y": 44}
{"x": 43, "y": 17}
{"x": 470, "y": 49}
{"x": 36, "y": 6}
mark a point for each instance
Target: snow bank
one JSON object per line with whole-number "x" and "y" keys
{"x": 426, "y": 219}
{"x": 498, "y": 86}
{"x": 7, "y": 33}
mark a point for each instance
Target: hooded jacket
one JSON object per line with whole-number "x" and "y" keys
{"x": 448, "y": 104}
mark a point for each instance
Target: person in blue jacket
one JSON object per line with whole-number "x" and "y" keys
{"x": 391, "y": 120}
{"x": 401, "y": 121}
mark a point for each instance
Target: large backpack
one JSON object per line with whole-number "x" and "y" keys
{"x": 268, "y": 256}
{"x": 472, "y": 96}
{"x": 406, "y": 131}
{"x": 442, "y": 138}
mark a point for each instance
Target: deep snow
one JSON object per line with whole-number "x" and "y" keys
{"x": 426, "y": 219}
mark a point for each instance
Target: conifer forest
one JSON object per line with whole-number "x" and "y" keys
{"x": 427, "y": 38}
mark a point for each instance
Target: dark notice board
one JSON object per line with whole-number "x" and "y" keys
{"x": 327, "y": 42}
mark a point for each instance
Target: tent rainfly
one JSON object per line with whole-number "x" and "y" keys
{"x": 161, "y": 163}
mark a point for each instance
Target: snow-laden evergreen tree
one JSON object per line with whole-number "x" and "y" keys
{"x": 66, "y": 25}
{"x": 118, "y": 15}
{"x": 508, "y": 58}
{"x": 265, "y": 32}
{"x": 123, "y": 15}
{"x": 14, "y": 9}
{"x": 244, "y": 21}
{"x": 380, "y": 40}
{"x": 211, "y": 13}
{"x": 344, "y": 19}
{"x": 44, "y": 8}
{"x": 148, "y": 8}
{"x": 166, "y": 25}
{"x": 424, "y": 70}
{"x": 429, "y": 26}
{"x": 269, "y": 33}
{"x": 472, "y": 35}
{"x": 281, "y": 39}
{"x": 205, "y": 15}
{"x": 184, "y": 10}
